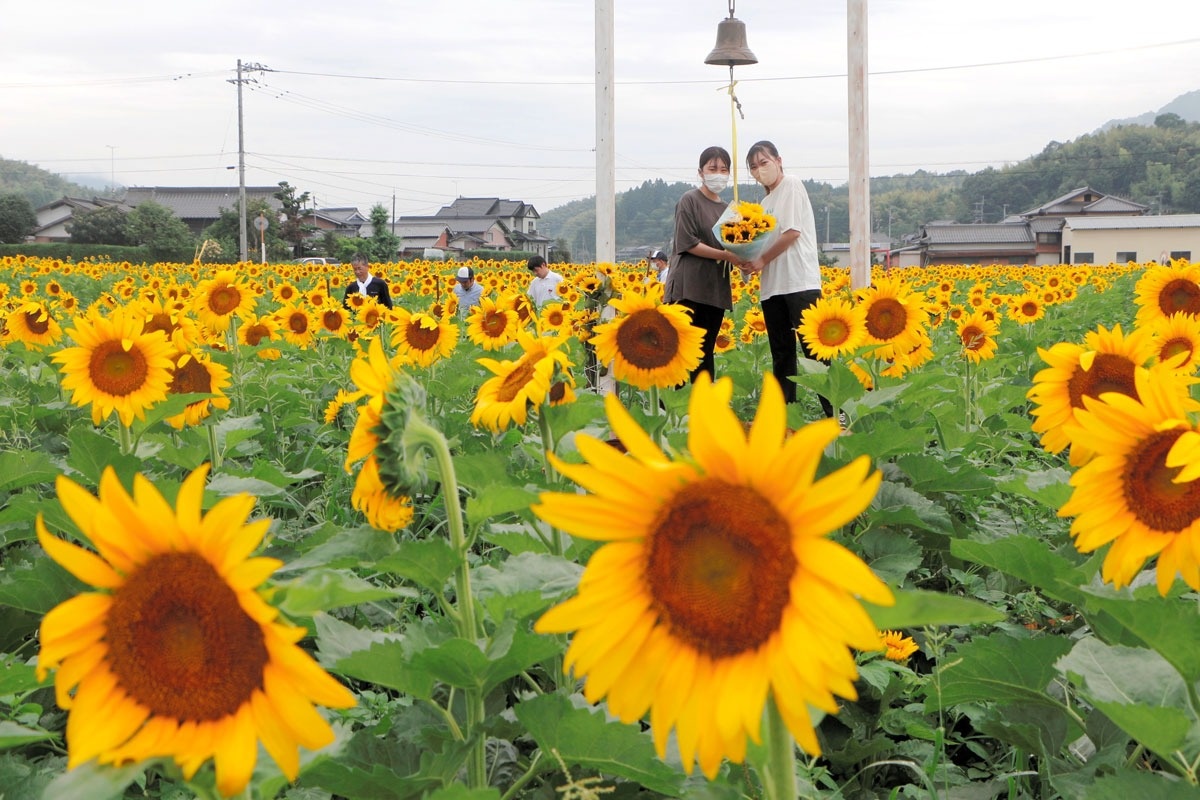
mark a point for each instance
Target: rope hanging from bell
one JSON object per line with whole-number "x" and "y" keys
{"x": 731, "y": 50}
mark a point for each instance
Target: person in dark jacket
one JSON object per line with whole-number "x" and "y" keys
{"x": 365, "y": 283}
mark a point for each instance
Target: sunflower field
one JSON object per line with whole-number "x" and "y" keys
{"x": 261, "y": 537}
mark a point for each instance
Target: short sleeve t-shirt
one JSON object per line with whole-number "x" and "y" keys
{"x": 796, "y": 269}
{"x": 692, "y": 278}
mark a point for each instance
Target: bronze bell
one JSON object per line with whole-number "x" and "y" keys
{"x": 731, "y": 49}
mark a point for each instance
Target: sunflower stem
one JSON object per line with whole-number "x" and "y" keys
{"x": 779, "y": 771}
{"x": 468, "y": 626}
{"x": 125, "y": 437}
{"x": 656, "y": 410}
{"x": 547, "y": 444}
{"x": 214, "y": 450}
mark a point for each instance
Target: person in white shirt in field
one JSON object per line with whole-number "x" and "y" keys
{"x": 543, "y": 287}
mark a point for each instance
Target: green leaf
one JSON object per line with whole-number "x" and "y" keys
{"x": 227, "y": 485}
{"x": 36, "y": 586}
{"x": 14, "y": 735}
{"x": 550, "y": 575}
{"x": 1165, "y": 624}
{"x": 899, "y": 506}
{"x": 916, "y": 607}
{"x": 348, "y": 547}
{"x": 92, "y": 451}
{"x": 321, "y": 590}
{"x": 945, "y": 473}
{"x": 462, "y": 664}
{"x": 890, "y": 555}
{"x": 1135, "y": 688}
{"x": 496, "y": 501}
{"x": 17, "y": 678}
{"x": 20, "y": 468}
{"x": 388, "y": 664}
{"x": 1029, "y": 559}
{"x": 998, "y": 669}
{"x": 1127, "y": 784}
{"x": 1050, "y": 487}
{"x": 370, "y": 767}
{"x": 834, "y": 381}
{"x": 583, "y": 736}
{"x": 232, "y": 431}
{"x": 478, "y": 471}
{"x": 93, "y": 781}
{"x": 428, "y": 563}
{"x": 460, "y": 792}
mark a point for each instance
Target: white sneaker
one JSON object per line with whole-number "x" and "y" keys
{"x": 844, "y": 422}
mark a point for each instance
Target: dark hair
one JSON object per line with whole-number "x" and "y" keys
{"x": 761, "y": 147}
{"x": 715, "y": 151}
{"x": 534, "y": 262}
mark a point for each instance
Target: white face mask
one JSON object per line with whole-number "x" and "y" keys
{"x": 768, "y": 174}
{"x": 716, "y": 182}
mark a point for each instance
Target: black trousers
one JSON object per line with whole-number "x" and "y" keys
{"x": 781, "y": 314}
{"x": 708, "y": 319}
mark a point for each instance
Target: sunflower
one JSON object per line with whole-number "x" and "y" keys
{"x": 385, "y": 511}
{"x": 491, "y": 325}
{"x": 221, "y": 297}
{"x": 32, "y": 324}
{"x": 115, "y": 366}
{"x": 255, "y": 331}
{"x": 334, "y": 320}
{"x": 297, "y": 325}
{"x": 1134, "y": 493}
{"x": 505, "y": 397}
{"x": 422, "y": 339}
{"x": 1166, "y": 290}
{"x": 555, "y": 319}
{"x": 649, "y": 344}
{"x": 1026, "y": 308}
{"x": 176, "y": 653}
{"x": 977, "y": 336}
{"x": 897, "y": 647}
{"x": 1177, "y": 341}
{"x": 1107, "y": 363}
{"x": 894, "y": 316}
{"x": 832, "y": 327}
{"x": 197, "y": 373}
{"x": 717, "y": 583}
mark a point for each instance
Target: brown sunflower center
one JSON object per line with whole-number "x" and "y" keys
{"x": 719, "y": 567}
{"x": 973, "y": 338}
{"x": 422, "y": 338}
{"x": 180, "y": 643}
{"x": 516, "y": 380}
{"x": 494, "y": 324}
{"x": 1173, "y": 347}
{"x": 192, "y": 377}
{"x": 332, "y": 321}
{"x": 886, "y": 318}
{"x": 159, "y": 321}
{"x": 117, "y": 371}
{"x": 1180, "y": 295}
{"x": 224, "y": 300}
{"x": 833, "y": 332}
{"x": 1029, "y": 309}
{"x": 255, "y": 334}
{"x": 298, "y": 322}
{"x": 647, "y": 339}
{"x": 1109, "y": 373}
{"x": 1149, "y": 493}
{"x": 38, "y": 322}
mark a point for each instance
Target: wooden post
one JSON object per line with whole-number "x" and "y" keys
{"x": 860, "y": 175}
{"x": 606, "y": 151}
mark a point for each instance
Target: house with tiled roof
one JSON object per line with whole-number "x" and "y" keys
{"x": 1124, "y": 238}
{"x": 471, "y": 219}
{"x": 1031, "y": 237}
{"x": 54, "y": 218}
{"x": 199, "y": 206}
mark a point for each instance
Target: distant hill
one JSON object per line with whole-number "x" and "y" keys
{"x": 1186, "y": 106}
{"x": 37, "y": 184}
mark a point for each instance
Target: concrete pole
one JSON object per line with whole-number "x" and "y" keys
{"x": 860, "y": 175}
{"x": 242, "y": 255}
{"x": 606, "y": 151}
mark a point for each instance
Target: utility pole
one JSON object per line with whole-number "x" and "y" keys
{"x": 393, "y": 213}
{"x": 242, "y": 237}
{"x": 860, "y": 181}
{"x": 606, "y": 154}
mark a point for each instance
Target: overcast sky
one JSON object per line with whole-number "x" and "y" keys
{"x": 433, "y": 100}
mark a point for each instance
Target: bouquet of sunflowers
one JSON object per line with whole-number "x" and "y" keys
{"x": 743, "y": 229}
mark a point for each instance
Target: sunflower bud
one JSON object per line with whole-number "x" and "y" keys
{"x": 403, "y": 436}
